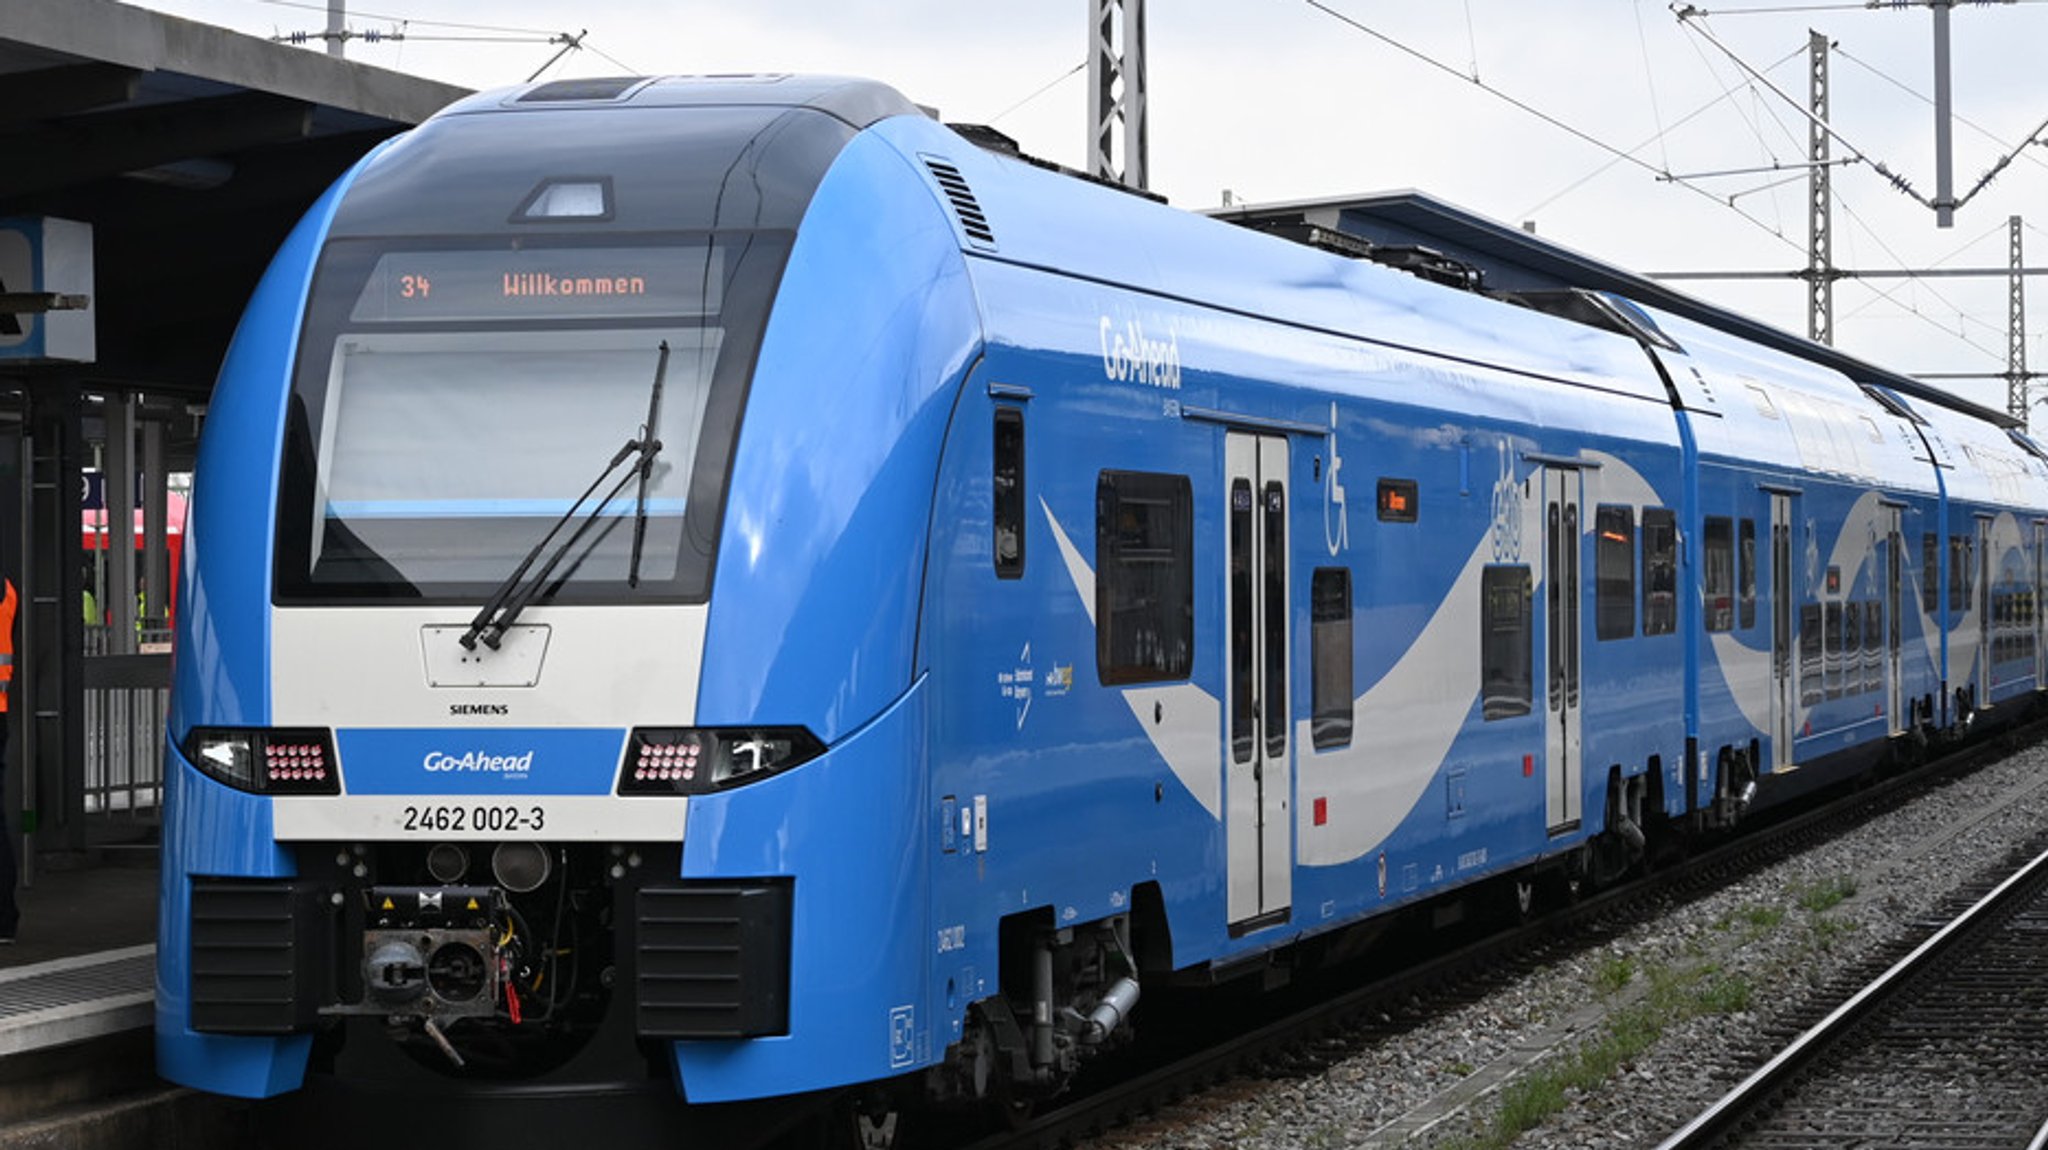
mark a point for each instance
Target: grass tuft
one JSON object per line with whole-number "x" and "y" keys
{"x": 1822, "y": 896}
{"x": 1612, "y": 974}
{"x": 1673, "y": 997}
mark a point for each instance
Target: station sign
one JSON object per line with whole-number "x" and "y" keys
{"x": 92, "y": 489}
{"x": 43, "y": 255}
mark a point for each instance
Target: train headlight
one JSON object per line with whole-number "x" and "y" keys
{"x": 266, "y": 760}
{"x": 690, "y": 760}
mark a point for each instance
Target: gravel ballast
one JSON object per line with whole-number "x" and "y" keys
{"x": 1742, "y": 960}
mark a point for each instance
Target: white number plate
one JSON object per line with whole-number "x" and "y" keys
{"x": 556, "y": 818}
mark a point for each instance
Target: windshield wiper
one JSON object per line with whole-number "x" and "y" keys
{"x": 491, "y": 630}
{"x": 647, "y": 465}
{"x": 517, "y": 590}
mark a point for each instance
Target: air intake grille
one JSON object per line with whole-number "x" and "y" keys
{"x": 713, "y": 960}
{"x": 253, "y": 956}
{"x": 965, "y": 209}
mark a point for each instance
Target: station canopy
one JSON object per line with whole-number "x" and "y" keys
{"x": 190, "y": 150}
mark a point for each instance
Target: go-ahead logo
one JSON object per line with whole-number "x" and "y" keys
{"x": 476, "y": 761}
{"x": 1130, "y": 356}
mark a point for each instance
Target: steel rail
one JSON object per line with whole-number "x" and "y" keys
{"x": 1720, "y": 1119}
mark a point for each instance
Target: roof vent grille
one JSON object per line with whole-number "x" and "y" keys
{"x": 965, "y": 208}
{"x": 601, "y": 88}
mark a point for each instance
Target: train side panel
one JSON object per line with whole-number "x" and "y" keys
{"x": 815, "y": 616}
{"x": 1421, "y": 790}
{"x": 1812, "y": 643}
{"x": 1990, "y": 545}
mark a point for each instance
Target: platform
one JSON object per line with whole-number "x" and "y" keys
{"x": 84, "y": 965}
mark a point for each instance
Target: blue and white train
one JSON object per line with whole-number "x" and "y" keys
{"x": 712, "y": 590}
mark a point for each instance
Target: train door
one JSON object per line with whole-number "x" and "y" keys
{"x": 1561, "y": 490}
{"x": 1894, "y": 572}
{"x": 1784, "y": 689}
{"x": 1258, "y": 779}
{"x": 1980, "y": 568}
{"x": 2036, "y": 617}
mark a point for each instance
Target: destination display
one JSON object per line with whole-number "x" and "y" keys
{"x": 545, "y": 283}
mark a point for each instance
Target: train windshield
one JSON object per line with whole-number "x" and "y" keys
{"x": 452, "y": 405}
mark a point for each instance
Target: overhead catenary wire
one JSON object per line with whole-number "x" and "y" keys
{"x": 374, "y": 36}
{"x": 1693, "y": 18}
{"x": 1041, "y": 90}
{"x": 1764, "y": 118}
{"x": 1862, "y": 5}
{"x": 2012, "y": 151}
{"x": 1900, "y": 183}
{"x": 1709, "y": 63}
{"x": 1471, "y": 40}
{"x": 1876, "y": 298}
{"x": 493, "y": 34}
{"x": 614, "y": 61}
{"x": 1482, "y": 85}
{"x": 1663, "y": 132}
{"x": 1921, "y": 283}
{"x": 322, "y": 7}
{"x": 1911, "y": 282}
{"x": 1961, "y": 332}
{"x": 1770, "y": 185}
{"x": 1776, "y": 9}
{"x": 1766, "y": 115}
{"x": 1650, "y": 83}
{"x": 1575, "y": 132}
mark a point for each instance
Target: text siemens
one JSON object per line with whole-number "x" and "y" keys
{"x": 478, "y": 761}
{"x": 1128, "y": 355}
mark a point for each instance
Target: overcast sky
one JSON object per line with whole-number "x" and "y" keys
{"x": 1279, "y": 100}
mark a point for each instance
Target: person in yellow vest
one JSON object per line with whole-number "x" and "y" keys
{"x": 10, "y": 913}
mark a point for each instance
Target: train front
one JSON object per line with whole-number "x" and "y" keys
{"x": 476, "y": 788}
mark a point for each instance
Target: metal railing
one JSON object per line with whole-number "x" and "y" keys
{"x": 124, "y": 735}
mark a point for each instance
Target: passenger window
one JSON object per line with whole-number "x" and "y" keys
{"x": 1959, "y": 573}
{"x": 1009, "y": 493}
{"x": 1275, "y": 531}
{"x": 1845, "y": 646}
{"x": 1505, "y": 648}
{"x": 1660, "y": 572}
{"x": 1243, "y": 739}
{"x": 1811, "y": 688}
{"x": 1930, "y": 573}
{"x": 1614, "y": 572}
{"x": 1720, "y": 573}
{"x": 1330, "y": 651}
{"x": 1144, "y": 586}
{"x": 1745, "y": 577}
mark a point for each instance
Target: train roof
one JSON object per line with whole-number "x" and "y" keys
{"x": 1442, "y": 241}
{"x": 1014, "y": 212}
{"x": 857, "y": 102}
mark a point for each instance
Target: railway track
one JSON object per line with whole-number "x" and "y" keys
{"x": 1941, "y": 1049}
{"x": 1336, "y": 1015}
